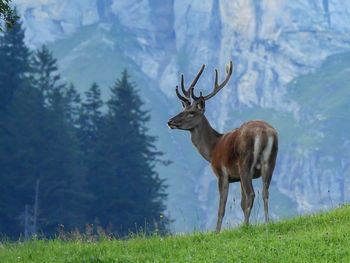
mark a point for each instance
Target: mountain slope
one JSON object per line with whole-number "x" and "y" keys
{"x": 324, "y": 100}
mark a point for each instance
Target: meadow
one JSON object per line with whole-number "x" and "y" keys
{"x": 320, "y": 237}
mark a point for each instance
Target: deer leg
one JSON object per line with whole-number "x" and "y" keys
{"x": 223, "y": 185}
{"x": 266, "y": 178}
{"x": 243, "y": 201}
{"x": 267, "y": 167}
{"x": 248, "y": 196}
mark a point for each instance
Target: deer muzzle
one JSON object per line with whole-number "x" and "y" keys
{"x": 172, "y": 124}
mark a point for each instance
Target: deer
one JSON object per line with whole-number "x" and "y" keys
{"x": 240, "y": 155}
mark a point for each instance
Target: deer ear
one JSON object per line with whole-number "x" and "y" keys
{"x": 201, "y": 104}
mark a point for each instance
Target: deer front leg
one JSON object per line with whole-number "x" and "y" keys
{"x": 223, "y": 185}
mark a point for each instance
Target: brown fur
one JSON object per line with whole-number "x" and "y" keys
{"x": 236, "y": 148}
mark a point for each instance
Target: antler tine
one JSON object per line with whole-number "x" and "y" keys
{"x": 189, "y": 91}
{"x": 197, "y": 77}
{"x": 185, "y": 92}
{"x": 218, "y": 87}
{"x": 194, "y": 82}
{"x": 186, "y": 100}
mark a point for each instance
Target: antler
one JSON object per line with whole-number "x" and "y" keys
{"x": 217, "y": 87}
{"x": 186, "y": 100}
{"x": 188, "y": 92}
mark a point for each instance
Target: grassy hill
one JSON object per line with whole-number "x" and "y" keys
{"x": 322, "y": 237}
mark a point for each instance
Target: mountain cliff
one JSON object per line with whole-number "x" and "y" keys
{"x": 290, "y": 68}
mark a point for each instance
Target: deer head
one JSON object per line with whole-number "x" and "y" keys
{"x": 193, "y": 112}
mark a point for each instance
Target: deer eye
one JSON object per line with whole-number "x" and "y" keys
{"x": 191, "y": 114}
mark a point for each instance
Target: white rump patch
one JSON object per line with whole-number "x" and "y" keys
{"x": 257, "y": 146}
{"x": 267, "y": 150}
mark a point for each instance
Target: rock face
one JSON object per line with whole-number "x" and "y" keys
{"x": 271, "y": 42}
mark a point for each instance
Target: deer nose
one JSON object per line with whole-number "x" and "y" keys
{"x": 171, "y": 124}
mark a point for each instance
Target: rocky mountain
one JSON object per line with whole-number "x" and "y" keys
{"x": 291, "y": 69}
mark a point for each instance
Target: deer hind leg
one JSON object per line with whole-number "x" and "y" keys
{"x": 247, "y": 189}
{"x": 223, "y": 185}
{"x": 267, "y": 167}
{"x": 248, "y": 197}
{"x": 247, "y": 174}
{"x": 243, "y": 201}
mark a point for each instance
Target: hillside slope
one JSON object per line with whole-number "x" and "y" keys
{"x": 322, "y": 237}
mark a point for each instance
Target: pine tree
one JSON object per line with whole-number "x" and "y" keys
{"x": 90, "y": 118}
{"x": 38, "y": 141}
{"x": 60, "y": 165}
{"x": 14, "y": 66}
{"x": 44, "y": 74}
{"x": 73, "y": 105}
{"x": 89, "y": 125}
{"x": 15, "y": 103}
{"x": 128, "y": 191}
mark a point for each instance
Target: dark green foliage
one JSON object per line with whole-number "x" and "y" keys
{"x": 40, "y": 144}
{"x": 7, "y": 14}
{"x": 60, "y": 168}
{"x": 89, "y": 123}
{"x": 91, "y": 166}
{"x": 14, "y": 66}
{"x": 14, "y": 127}
{"x": 90, "y": 119}
{"x": 128, "y": 192}
{"x": 44, "y": 75}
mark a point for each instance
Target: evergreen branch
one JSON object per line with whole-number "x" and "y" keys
{"x": 7, "y": 14}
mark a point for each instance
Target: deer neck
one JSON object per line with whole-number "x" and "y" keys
{"x": 204, "y": 138}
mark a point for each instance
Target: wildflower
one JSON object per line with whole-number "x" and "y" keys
{"x": 326, "y": 233}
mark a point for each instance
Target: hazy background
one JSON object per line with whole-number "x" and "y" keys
{"x": 292, "y": 68}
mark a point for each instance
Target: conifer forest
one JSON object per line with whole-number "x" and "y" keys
{"x": 70, "y": 159}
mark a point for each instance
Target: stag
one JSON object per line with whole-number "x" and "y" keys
{"x": 241, "y": 155}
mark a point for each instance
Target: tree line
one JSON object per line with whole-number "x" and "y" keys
{"x": 66, "y": 160}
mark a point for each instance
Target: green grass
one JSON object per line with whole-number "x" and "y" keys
{"x": 322, "y": 237}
